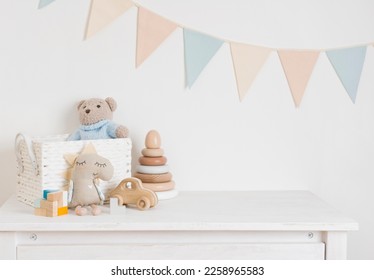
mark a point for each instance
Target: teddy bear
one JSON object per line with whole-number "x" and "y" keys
{"x": 95, "y": 116}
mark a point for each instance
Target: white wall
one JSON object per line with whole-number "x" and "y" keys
{"x": 212, "y": 141}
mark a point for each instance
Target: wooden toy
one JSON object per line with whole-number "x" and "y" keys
{"x": 154, "y": 178}
{"x": 37, "y": 202}
{"x": 160, "y": 187}
{"x": 115, "y": 208}
{"x": 50, "y": 206}
{"x": 152, "y": 160}
{"x": 131, "y": 192}
{"x": 56, "y": 196}
{"x": 54, "y": 205}
{"x": 47, "y": 191}
{"x": 153, "y": 170}
{"x": 152, "y": 152}
{"x": 153, "y": 140}
{"x": 62, "y": 211}
{"x": 147, "y": 169}
{"x": 40, "y": 212}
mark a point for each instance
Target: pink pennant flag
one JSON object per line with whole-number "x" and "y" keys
{"x": 103, "y": 12}
{"x": 152, "y": 31}
{"x": 248, "y": 61}
{"x": 298, "y": 67}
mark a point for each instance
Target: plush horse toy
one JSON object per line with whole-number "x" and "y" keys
{"x": 88, "y": 168}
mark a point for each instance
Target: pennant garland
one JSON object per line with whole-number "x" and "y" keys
{"x": 298, "y": 67}
{"x": 151, "y": 32}
{"x": 103, "y": 12}
{"x": 348, "y": 64}
{"x": 43, "y": 3}
{"x": 248, "y": 61}
{"x": 199, "y": 49}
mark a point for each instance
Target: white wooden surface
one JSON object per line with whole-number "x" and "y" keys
{"x": 209, "y": 251}
{"x": 261, "y": 220}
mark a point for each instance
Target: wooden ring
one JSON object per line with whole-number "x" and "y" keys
{"x": 154, "y": 178}
{"x": 153, "y": 161}
{"x": 153, "y": 152}
{"x": 147, "y": 169}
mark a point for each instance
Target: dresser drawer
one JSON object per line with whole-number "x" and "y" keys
{"x": 248, "y": 251}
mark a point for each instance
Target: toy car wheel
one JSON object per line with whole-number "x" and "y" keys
{"x": 143, "y": 203}
{"x": 120, "y": 199}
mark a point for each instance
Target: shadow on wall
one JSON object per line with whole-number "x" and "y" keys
{"x": 8, "y": 167}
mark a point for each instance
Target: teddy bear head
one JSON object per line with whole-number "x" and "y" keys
{"x": 94, "y": 110}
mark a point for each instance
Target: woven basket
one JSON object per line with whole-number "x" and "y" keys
{"x": 41, "y": 163}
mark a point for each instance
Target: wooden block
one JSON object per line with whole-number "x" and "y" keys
{"x": 64, "y": 198}
{"x": 47, "y": 191}
{"x": 116, "y": 209}
{"x": 40, "y": 212}
{"x": 62, "y": 211}
{"x": 56, "y": 196}
{"x": 152, "y": 161}
{"x": 60, "y": 196}
{"x": 50, "y": 206}
{"x": 37, "y": 202}
{"x": 154, "y": 178}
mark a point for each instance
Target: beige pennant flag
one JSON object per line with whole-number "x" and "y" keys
{"x": 103, "y": 12}
{"x": 152, "y": 31}
{"x": 248, "y": 61}
{"x": 298, "y": 67}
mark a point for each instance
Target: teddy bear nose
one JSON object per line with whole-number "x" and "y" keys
{"x": 88, "y": 111}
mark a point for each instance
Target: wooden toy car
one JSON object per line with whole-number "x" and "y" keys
{"x": 130, "y": 191}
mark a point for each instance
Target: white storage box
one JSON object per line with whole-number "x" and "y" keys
{"x": 41, "y": 163}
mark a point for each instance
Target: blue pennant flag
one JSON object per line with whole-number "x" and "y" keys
{"x": 348, "y": 64}
{"x": 43, "y": 3}
{"x": 198, "y": 50}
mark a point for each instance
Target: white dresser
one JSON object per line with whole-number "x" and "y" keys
{"x": 194, "y": 225}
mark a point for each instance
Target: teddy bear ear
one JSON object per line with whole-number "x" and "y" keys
{"x": 80, "y": 104}
{"x": 112, "y": 103}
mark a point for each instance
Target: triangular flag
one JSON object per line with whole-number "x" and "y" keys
{"x": 248, "y": 61}
{"x": 298, "y": 67}
{"x": 103, "y": 12}
{"x": 348, "y": 64}
{"x": 198, "y": 51}
{"x": 151, "y": 32}
{"x": 43, "y": 3}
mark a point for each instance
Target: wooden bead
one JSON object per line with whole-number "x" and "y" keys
{"x": 153, "y": 140}
{"x": 153, "y": 169}
{"x": 153, "y": 152}
{"x": 152, "y": 160}
{"x": 154, "y": 178}
{"x": 160, "y": 187}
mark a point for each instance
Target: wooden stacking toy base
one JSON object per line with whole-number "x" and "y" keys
{"x": 167, "y": 194}
{"x": 160, "y": 187}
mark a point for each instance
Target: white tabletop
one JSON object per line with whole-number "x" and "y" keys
{"x": 252, "y": 210}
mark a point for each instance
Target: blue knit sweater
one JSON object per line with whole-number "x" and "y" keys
{"x": 105, "y": 129}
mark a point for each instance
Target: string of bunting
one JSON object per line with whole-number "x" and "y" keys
{"x": 200, "y": 48}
